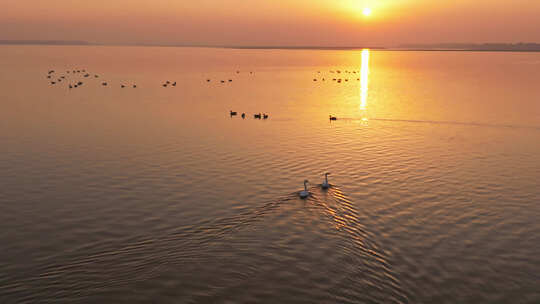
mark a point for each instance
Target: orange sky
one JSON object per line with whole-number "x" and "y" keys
{"x": 272, "y": 22}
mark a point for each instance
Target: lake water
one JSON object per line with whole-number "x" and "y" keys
{"x": 156, "y": 194}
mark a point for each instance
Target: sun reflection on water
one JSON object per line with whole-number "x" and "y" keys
{"x": 364, "y": 79}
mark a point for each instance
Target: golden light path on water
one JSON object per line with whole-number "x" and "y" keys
{"x": 364, "y": 79}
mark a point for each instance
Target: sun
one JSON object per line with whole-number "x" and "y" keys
{"x": 367, "y": 11}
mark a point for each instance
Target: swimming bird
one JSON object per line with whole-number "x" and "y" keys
{"x": 52, "y": 82}
{"x": 243, "y": 115}
{"x": 207, "y": 80}
{"x": 167, "y": 82}
{"x": 49, "y": 77}
{"x": 304, "y": 193}
{"x": 233, "y": 113}
{"x": 122, "y": 86}
{"x": 314, "y": 79}
{"x": 230, "y": 80}
{"x": 164, "y": 85}
{"x": 70, "y": 86}
{"x": 134, "y": 86}
{"x": 80, "y": 83}
{"x": 333, "y": 117}
{"x": 223, "y": 81}
{"x": 257, "y": 116}
{"x": 96, "y": 76}
{"x": 174, "y": 84}
{"x": 325, "y": 184}
{"x": 104, "y": 84}
{"x": 265, "y": 116}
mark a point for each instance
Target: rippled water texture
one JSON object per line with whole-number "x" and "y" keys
{"x": 156, "y": 194}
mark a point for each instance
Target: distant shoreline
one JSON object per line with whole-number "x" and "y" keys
{"x": 533, "y": 48}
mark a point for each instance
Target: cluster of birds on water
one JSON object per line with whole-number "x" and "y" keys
{"x": 256, "y": 116}
{"x": 78, "y": 75}
{"x": 338, "y": 80}
{"x": 229, "y": 80}
{"x": 305, "y": 193}
{"x": 54, "y": 79}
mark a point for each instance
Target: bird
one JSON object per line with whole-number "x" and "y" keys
{"x": 164, "y": 85}
{"x": 305, "y": 192}
{"x": 257, "y": 116}
{"x": 333, "y": 117}
{"x": 233, "y": 113}
{"x": 122, "y": 86}
{"x": 167, "y": 82}
{"x": 207, "y": 80}
{"x": 325, "y": 184}
{"x": 134, "y": 86}
{"x": 49, "y": 77}
{"x": 174, "y": 84}
{"x": 104, "y": 84}
{"x": 223, "y": 81}
{"x": 70, "y": 86}
{"x": 243, "y": 115}
{"x": 230, "y": 80}
{"x": 96, "y": 76}
{"x": 265, "y": 116}
{"x": 52, "y": 82}
{"x": 86, "y": 75}
{"x": 80, "y": 83}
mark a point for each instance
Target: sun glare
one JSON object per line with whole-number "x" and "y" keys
{"x": 367, "y": 11}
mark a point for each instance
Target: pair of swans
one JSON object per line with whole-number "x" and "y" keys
{"x": 325, "y": 185}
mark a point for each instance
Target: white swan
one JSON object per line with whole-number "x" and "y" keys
{"x": 304, "y": 193}
{"x": 325, "y": 184}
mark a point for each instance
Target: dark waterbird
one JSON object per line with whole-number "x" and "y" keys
{"x": 233, "y": 113}
{"x": 104, "y": 84}
{"x": 134, "y": 86}
{"x": 257, "y": 116}
{"x": 174, "y": 84}
{"x": 243, "y": 115}
{"x": 333, "y": 117}
{"x": 122, "y": 86}
{"x": 265, "y": 116}
{"x": 325, "y": 184}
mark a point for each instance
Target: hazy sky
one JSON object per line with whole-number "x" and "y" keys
{"x": 272, "y": 22}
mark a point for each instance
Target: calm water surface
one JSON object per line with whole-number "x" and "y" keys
{"x": 156, "y": 194}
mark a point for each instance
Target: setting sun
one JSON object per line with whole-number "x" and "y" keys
{"x": 367, "y": 11}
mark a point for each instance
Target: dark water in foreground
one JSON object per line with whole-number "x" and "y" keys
{"x": 155, "y": 194}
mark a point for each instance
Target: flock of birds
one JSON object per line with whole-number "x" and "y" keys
{"x": 305, "y": 193}
{"x": 256, "y": 116}
{"x": 338, "y": 80}
{"x": 54, "y": 79}
{"x": 76, "y": 79}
